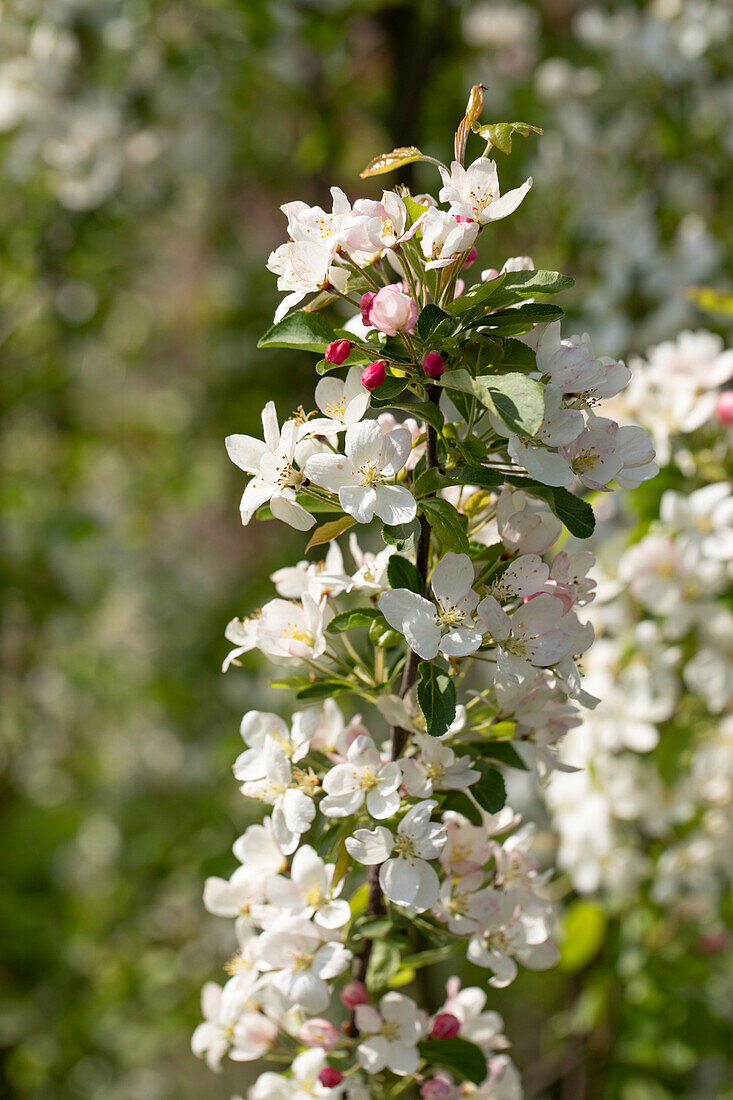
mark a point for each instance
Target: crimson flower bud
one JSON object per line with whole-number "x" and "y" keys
{"x": 445, "y": 1026}
{"x": 470, "y": 259}
{"x": 373, "y": 375}
{"x": 330, "y": 1077}
{"x": 353, "y": 994}
{"x": 464, "y": 218}
{"x": 724, "y": 409}
{"x": 337, "y": 351}
{"x": 433, "y": 364}
{"x": 366, "y": 306}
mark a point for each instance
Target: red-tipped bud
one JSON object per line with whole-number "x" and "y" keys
{"x": 366, "y": 306}
{"x": 330, "y": 1077}
{"x": 373, "y": 375}
{"x": 353, "y": 994}
{"x": 433, "y": 364}
{"x": 337, "y": 351}
{"x": 445, "y": 1026}
{"x": 470, "y": 259}
{"x": 724, "y": 409}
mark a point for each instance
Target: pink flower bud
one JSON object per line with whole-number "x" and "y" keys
{"x": 391, "y": 311}
{"x": 470, "y": 259}
{"x": 373, "y": 375}
{"x": 319, "y": 1033}
{"x": 337, "y": 351}
{"x": 445, "y": 1026}
{"x": 724, "y": 409}
{"x": 353, "y": 994}
{"x": 438, "y": 1090}
{"x": 366, "y": 306}
{"x": 433, "y": 364}
{"x": 330, "y": 1077}
{"x": 463, "y": 218}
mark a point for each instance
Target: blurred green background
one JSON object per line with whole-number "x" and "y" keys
{"x": 146, "y": 147}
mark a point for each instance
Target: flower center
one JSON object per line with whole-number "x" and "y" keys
{"x": 292, "y": 630}
{"x": 300, "y": 960}
{"x": 369, "y": 474}
{"x": 314, "y": 896}
{"x": 435, "y": 771}
{"x": 390, "y": 1030}
{"x": 338, "y": 408}
{"x": 403, "y": 845}
{"x": 584, "y": 461}
{"x": 449, "y": 616}
{"x": 367, "y": 779}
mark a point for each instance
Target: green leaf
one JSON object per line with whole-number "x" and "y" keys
{"x": 424, "y": 410}
{"x": 387, "y": 162}
{"x": 518, "y": 400}
{"x": 323, "y": 689}
{"x": 462, "y": 1058}
{"x": 389, "y": 390}
{"x": 436, "y": 697}
{"x": 447, "y": 523}
{"x": 520, "y": 319}
{"x": 489, "y": 791}
{"x": 301, "y": 330}
{"x": 583, "y": 932}
{"x": 499, "y": 134}
{"x": 504, "y": 752}
{"x": 402, "y": 536}
{"x": 430, "y": 317}
{"x": 358, "y": 616}
{"x": 511, "y": 287}
{"x": 573, "y": 511}
{"x": 459, "y": 803}
{"x": 483, "y": 476}
{"x": 384, "y": 962}
{"x": 331, "y": 530}
{"x": 402, "y": 573}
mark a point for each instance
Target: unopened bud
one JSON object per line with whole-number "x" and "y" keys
{"x": 464, "y": 218}
{"x": 353, "y": 994}
{"x": 319, "y": 1033}
{"x": 330, "y": 1077}
{"x": 366, "y": 306}
{"x": 373, "y": 375}
{"x": 438, "y": 1090}
{"x": 470, "y": 259}
{"x": 712, "y": 941}
{"x": 445, "y": 1026}
{"x": 433, "y": 364}
{"x": 724, "y": 409}
{"x": 337, "y": 351}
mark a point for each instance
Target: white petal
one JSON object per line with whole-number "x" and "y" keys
{"x": 395, "y": 504}
{"x": 452, "y": 577}
{"x": 245, "y": 452}
{"x": 370, "y": 847}
{"x": 359, "y": 501}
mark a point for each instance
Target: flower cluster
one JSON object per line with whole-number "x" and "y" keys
{"x": 381, "y": 854}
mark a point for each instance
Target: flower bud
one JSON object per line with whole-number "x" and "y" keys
{"x": 711, "y": 941}
{"x": 319, "y": 1033}
{"x": 436, "y": 1089}
{"x": 366, "y": 306}
{"x": 330, "y": 1077}
{"x": 445, "y": 1026}
{"x": 470, "y": 259}
{"x": 433, "y": 364}
{"x": 391, "y": 311}
{"x": 463, "y": 218}
{"x": 373, "y": 375}
{"x": 353, "y": 994}
{"x": 337, "y": 351}
{"x": 724, "y": 409}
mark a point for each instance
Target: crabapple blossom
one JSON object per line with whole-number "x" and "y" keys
{"x": 474, "y": 191}
{"x": 342, "y": 403}
{"x": 373, "y": 375}
{"x": 436, "y": 768}
{"x": 392, "y": 1034}
{"x": 443, "y": 237}
{"x": 359, "y": 477}
{"x": 362, "y": 779}
{"x": 448, "y": 625}
{"x": 407, "y": 878}
{"x": 391, "y": 311}
{"x": 275, "y": 479}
